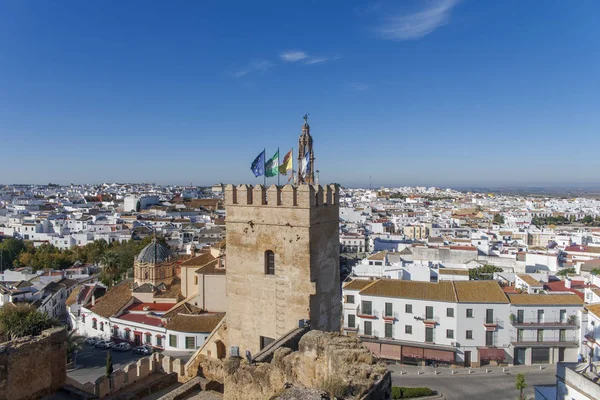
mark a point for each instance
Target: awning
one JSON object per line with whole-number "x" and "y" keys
{"x": 413, "y": 352}
{"x": 438, "y": 355}
{"x": 492, "y": 354}
{"x": 374, "y": 347}
{"x": 391, "y": 351}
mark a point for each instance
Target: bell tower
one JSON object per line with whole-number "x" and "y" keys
{"x": 306, "y": 173}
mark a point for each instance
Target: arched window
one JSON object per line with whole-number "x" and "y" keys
{"x": 269, "y": 262}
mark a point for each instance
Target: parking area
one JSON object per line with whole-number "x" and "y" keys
{"x": 91, "y": 362}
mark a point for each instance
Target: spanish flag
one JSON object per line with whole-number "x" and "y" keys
{"x": 286, "y": 165}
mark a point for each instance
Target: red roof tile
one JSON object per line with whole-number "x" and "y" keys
{"x": 160, "y": 307}
{"x": 142, "y": 319}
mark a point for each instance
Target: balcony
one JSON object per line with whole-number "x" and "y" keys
{"x": 370, "y": 314}
{"x": 590, "y": 335}
{"x": 430, "y": 320}
{"x": 546, "y": 341}
{"x": 491, "y": 323}
{"x": 390, "y": 317}
{"x": 541, "y": 323}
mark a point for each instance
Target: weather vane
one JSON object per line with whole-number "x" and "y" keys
{"x": 306, "y": 118}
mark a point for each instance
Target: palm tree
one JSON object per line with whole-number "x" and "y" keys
{"x": 110, "y": 266}
{"x": 74, "y": 345}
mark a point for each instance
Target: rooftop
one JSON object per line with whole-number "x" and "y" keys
{"x": 195, "y": 323}
{"x": 528, "y": 279}
{"x": 154, "y": 253}
{"x": 545, "y": 299}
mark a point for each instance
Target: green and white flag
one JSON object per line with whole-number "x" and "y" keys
{"x": 272, "y": 165}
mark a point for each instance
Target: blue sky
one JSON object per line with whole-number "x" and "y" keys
{"x": 447, "y": 93}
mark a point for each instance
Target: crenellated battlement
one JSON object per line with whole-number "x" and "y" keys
{"x": 303, "y": 196}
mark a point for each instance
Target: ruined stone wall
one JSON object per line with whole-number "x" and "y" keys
{"x": 300, "y": 225}
{"x": 33, "y": 367}
{"x": 322, "y": 357}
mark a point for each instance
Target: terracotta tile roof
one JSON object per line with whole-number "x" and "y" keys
{"x": 545, "y": 299}
{"x": 73, "y": 297}
{"x": 222, "y": 245}
{"x": 378, "y": 256}
{"x": 442, "y": 291}
{"x": 173, "y": 291}
{"x": 194, "y": 323}
{"x": 198, "y": 261}
{"x": 594, "y": 309}
{"x": 159, "y": 307}
{"x": 358, "y": 284}
{"x": 453, "y": 271}
{"x": 185, "y": 308}
{"x": 479, "y": 292}
{"x": 212, "y": 268}
{"x": 530, "y": 280}
{"x": 114, "y": 300}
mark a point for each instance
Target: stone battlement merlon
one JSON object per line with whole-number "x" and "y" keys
{"x": 303, "y": 196}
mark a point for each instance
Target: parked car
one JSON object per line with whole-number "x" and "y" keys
{"x": 106, "y": 345}
{"x": 99, "y": 343}
{"x": 122, "y": 347}
{"x": 143, "y": 350}
{"x": 92, "y": 340}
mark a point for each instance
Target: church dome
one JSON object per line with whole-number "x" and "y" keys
{"x": 154, "y": 253}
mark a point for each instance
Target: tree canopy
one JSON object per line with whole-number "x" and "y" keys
{"x": 484, "y": 273}
{"x": 22, "y": 319}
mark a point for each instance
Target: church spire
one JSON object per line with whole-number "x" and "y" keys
{"x": 306, "y": 173}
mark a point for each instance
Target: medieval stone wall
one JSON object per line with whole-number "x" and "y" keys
{"x": 322, "y": 357}
{"x": 33, "y": 367}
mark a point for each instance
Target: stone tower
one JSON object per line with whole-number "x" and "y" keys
{"x": 282, "y": 262}
{"x": 154, "y": 265}
{"x": 305, "y": 145}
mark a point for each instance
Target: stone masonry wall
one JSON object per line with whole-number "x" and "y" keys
{"x": 33, "y": 367}
{"x": 300, "y": 225}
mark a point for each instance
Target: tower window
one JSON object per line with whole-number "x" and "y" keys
{"x": 269, "y": 262}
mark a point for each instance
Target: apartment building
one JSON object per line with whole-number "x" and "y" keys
{"x": 545, "y": 328}
{"x": 467, "y": 323}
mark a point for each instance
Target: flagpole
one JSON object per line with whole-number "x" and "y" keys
{"x": 265, "y": 167}
{"x": 277, "y": 166}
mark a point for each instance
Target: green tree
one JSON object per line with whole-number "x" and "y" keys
{"x": 10, "y": 249}
{"x": 520, "y": 385}
{"x": 109, "y": 364}
{"x": 498, "y": 219}
{"x": 587, "y": 219}
{"x": 18, "y": 320}
{"x": 74, "y": 344}
{"x": 111, "y": 266}
{"x": 96, "y": 250}
{"x": 484, "y": 273}
{"x": 565, "y": 271}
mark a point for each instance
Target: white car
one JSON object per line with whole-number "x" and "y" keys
{"x": 92, "y": 340}
{"x": 105, "y": 345}
{"x": 122, "y": 347}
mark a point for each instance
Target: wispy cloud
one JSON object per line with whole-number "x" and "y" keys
{"x": 254, "y": 66}
{"x": 419, "y": 24}
{"x": 318, "y": 60}
{"x": 293, "y": 56}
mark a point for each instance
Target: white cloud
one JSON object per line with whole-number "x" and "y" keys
{"x": 262, "y": 65}
{"x": 318, "y": 60}
{"x": 419, "y": 24}
{"x": 293, "y": 56}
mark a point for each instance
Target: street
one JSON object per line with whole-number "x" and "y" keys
{"x": 91, "y": 362}
{"x": 496, "y": 385}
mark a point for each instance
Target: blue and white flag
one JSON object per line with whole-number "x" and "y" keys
{"x": 305, "y": 165}
{"x": 258, "y": 165}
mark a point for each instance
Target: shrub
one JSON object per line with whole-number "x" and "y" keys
{"x": 335, "y": 387}
{"x": 406, "y": 392}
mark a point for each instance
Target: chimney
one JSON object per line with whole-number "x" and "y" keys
{"x": 568, "y": 283}
{"x": 93, "y": 300}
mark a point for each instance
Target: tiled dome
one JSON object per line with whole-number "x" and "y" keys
{"x": 154, "y": 253}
